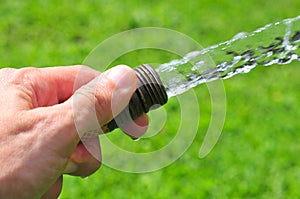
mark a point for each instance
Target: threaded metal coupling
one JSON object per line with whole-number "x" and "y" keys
{"x": 150, "y": 94}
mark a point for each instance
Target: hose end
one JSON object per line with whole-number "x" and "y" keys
{"x": 150, "y": 94}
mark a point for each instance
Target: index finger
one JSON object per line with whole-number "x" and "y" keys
{"x": 60, "y": 83}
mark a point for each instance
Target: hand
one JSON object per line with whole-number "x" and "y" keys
{"x": 39, "y": 140}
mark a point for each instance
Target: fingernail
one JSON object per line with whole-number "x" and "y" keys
{"x": 71, "y": 167}
{"x": 123, "y": 77}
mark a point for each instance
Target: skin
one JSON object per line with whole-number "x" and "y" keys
{"x": 44, "y": 113}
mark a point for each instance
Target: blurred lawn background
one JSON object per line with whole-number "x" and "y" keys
{"x": 257, "y": 155}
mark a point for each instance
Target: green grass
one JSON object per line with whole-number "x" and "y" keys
{"x": 257, "y": 155}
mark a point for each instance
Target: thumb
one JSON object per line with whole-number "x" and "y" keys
{"x": 97, "y": 102}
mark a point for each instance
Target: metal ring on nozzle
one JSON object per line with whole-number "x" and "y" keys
{"x": 150, "y": 92}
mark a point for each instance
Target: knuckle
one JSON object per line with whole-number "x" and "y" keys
{"x": 18, "y": 76}
{"x": 24, "y": 74}
{"x": 103, "y": 100}
{"x": 103, "y": 104}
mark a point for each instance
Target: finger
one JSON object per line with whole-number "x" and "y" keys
{"x": 87, "y": 157}
{"x": 56, "y": 84}
{"x": 43, "y": 86}
{"x": 137, "y": 128}
{"x": 66, "y": 80}
{"x": 54, "y": 190}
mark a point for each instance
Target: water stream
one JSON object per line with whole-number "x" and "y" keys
{"x": 275, "y": 43}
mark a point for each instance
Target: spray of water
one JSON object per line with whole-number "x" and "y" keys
{"x": 276, "y": 43}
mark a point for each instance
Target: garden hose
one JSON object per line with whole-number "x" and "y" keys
{"x": 150, "y": 94}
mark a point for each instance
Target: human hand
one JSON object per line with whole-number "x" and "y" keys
{"x": 39, "y": 138}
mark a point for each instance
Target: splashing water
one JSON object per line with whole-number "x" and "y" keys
{"x": 276, "y": 43}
